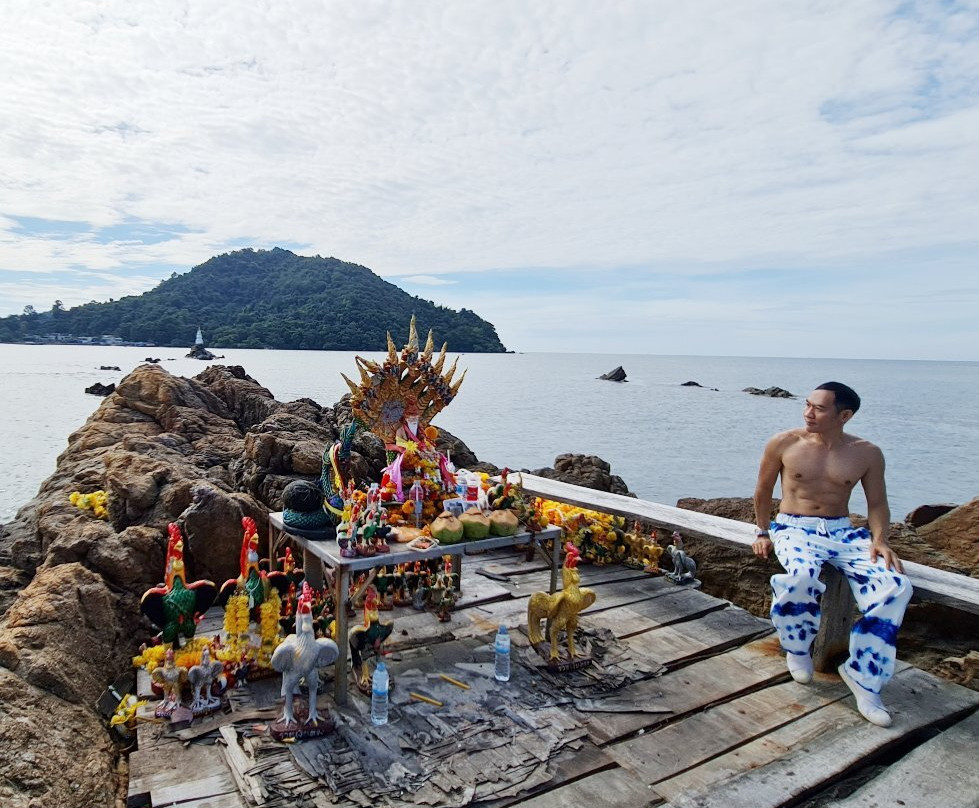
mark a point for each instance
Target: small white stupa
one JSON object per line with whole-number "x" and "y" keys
{"x": 199, "y": 339}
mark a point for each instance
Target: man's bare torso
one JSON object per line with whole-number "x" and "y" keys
{"x": 817, "y": 479}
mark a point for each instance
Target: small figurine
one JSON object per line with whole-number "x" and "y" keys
{"x": 174, "y": 606}
{"x": 684, "y": 567}
{"x": 202, "y": 677}
{"x": 299, "y": 658}
{"x": 561, "y": 609}
{"x": 170, "y": 677}
{"x": 368, "y": 637}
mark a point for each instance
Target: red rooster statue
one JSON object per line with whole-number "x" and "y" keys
{"x": 174, "y": 606}
{"x": 299, "y": 657}
{"x": 253, "y": 580}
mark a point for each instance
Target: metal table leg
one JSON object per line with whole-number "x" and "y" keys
{"x": 340, "y": 670}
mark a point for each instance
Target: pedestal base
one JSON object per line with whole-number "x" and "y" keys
{"x": 299, "y": 730}
{"x": 563, "y": 664}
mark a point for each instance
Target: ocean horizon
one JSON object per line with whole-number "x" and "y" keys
{"x": 521, "y": 410}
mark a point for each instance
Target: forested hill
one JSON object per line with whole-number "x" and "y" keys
{"x": 267, "y": 299}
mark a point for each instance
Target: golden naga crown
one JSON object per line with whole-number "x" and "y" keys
{"x": 407, "y": 385}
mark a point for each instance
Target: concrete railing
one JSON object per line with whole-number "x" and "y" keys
{"x": 930, "y": 584}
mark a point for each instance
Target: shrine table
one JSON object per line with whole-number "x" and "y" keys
{"x": 317, "y": 553}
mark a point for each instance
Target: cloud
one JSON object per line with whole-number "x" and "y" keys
{"x": 438, "y": 139}
{"x": 426, "y": 280}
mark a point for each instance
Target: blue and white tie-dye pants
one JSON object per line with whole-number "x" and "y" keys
{"x": 803, "y": 544}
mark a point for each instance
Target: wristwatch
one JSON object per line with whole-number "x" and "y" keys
{"x": 761, "y": 532}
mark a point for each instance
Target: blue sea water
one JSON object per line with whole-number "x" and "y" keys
{"x": 521, "y": 410}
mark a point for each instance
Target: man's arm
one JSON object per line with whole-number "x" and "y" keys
{"x": 768, "y": 471}
{"x": 878, "y": 512}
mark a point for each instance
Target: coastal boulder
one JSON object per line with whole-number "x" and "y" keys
{"x": 586, "y": 470}
{"x": 955, "y": 534}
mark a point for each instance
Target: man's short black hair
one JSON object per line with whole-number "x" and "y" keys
{"x": 846, "y": 397}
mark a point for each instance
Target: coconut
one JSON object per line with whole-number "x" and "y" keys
{"x": 503, "y": 523}
{"x": 447, "y": 528}
{"x": 475, "y": 524}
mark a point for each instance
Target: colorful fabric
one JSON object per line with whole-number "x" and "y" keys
{"x": 803, "y": 544}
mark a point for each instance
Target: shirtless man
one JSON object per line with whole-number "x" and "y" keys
{"x": 819, "y": 465}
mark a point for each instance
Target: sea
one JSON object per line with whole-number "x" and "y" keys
{"x": 521, "y": 410}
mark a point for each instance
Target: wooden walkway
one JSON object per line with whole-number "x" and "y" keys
{"x": 707, "y": 716}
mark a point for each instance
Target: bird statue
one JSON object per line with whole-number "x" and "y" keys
{"x": 367, "y": 637}
{"x": 202, "y": 677}
{"x": 299, "y": 657}
{"x": 170, "y": 677}
{"x": 561, "y": 608}
{"x": 252, "y": 580}
{"x": 174, "y": 606}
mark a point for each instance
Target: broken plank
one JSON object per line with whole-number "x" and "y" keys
{"x": 694, "y": 687}
{"x": 156, "y": 771}
{"x": 941, "y": 771}
{"x": 685, "y": 744}
{"x": 219, "y": 801}
{"x": 240, "y": 762}
{"x": 809, "y": 754}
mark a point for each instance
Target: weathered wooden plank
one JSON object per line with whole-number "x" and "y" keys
{"x": 806, "y": 755}
{"x": 683, "y": 642}
{"x": 219, "y": 801}
{"x": 196, "y": 788}
{"x": 158, "y": 769}
{"x": 685, "y": 744}
{"x": 958, "y": 591}
{"x": 941, "y": 771}
{"x": 694, "y": 687}
{"x": 608, "y": 787}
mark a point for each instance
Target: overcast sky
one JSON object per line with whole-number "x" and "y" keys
{"x": 738, "y": 178}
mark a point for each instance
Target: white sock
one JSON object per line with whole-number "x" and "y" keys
{"x": 800, "y": 666}
{"x": 869, "y": 704}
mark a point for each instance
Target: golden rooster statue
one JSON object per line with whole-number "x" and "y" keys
{"x": 561, "y": 608}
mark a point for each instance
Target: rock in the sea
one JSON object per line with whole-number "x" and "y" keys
{"x": 200, "y": 352}
{"x": 109, "y": 367}
{"x": 617, "y": 375}
{"x": 99, "y": 389}
{"x": 771, "y": 392}
{"x": 691, "y": 384}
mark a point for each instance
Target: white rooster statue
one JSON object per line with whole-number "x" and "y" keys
{"x": 202, "y": 677}
{"x": 300, "y": 656}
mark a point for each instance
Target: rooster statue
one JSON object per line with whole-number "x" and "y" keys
{"x": 175, "y": 605}
{"x": 202, "y": 677}
{"x": 169, "y": 677}
{"x": 299, "y": 657}
{"x": 251, "y": 579}
{"x": 561, "y": 608}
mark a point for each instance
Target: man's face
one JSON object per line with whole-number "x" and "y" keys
{"x": 820, "y": 412}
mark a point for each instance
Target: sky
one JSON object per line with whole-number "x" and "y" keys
{"x": 760, "y": 178}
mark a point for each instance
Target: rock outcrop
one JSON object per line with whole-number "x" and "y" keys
{"x": 617, "y": 375}
{"x": 203, "y": 452}
{"x": 586, "y": 470}
{"x": 771, "y": 392}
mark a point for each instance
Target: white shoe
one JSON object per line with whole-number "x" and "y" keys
{"x": 800, "y": 667}
{"x": 869, "y": 704}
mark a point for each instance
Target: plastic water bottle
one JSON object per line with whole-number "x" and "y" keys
{"x": 502, "y": 655}
{"x": 379, "y": 694}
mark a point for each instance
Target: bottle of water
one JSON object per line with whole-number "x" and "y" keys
{"x": 502, "y": 655}
{"x": 379, "y": 695}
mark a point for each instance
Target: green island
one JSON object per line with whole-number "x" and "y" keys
{"x": 261, "y": 299}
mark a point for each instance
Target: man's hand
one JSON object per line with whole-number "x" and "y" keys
{"x": 762, "y": 547}
{"x": 882, "y": 550}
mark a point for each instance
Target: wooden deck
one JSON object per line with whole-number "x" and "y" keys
{"x": 706, "y": 716}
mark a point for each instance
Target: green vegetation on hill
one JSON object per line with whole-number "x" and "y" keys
{"x": 266, "y": 299}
